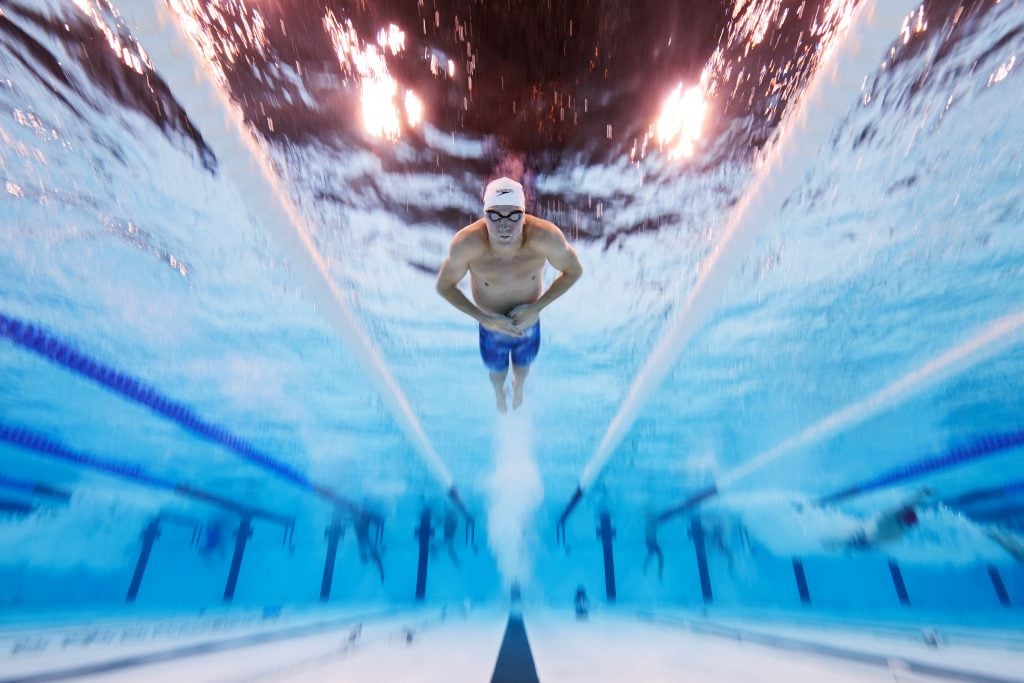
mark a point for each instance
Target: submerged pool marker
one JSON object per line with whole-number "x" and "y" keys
{"x": 242, "y": 536}
{"x": 149, "y": 536}
{"x": 606, "y": 532}
{"x": 333, "y": 534}
{"x": 898, "y": 583}
{"x": 696, "y": 533}
{"x": 999, "y": 586}
{"x": 801, "y": 581}
{"x": 424, "y": 533}
{"x": 829, "y": 95}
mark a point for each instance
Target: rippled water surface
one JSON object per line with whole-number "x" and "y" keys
{"x": 637, "y": 128}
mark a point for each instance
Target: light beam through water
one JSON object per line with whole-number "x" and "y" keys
{"x": 244, "y": 160}
{"x": 993, "y": 338}
{"x": 828, "y": 97}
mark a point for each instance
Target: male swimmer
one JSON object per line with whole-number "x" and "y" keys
{"x": 892, "y": 525}
{"x": 504, "y": 253}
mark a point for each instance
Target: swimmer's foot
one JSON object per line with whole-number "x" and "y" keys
{"x": 517, "y": 394}
{"x": 499, "y": 397}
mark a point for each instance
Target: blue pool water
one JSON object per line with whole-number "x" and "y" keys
{"x": 169, "y": 372}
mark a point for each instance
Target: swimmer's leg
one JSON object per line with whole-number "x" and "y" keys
{"x": 498, "y": 382}
{"x": 523, "y": 354}
{"x": 495, "y": 353}
{"x": 454, "y": 556}
{"x": 519, "y": 373}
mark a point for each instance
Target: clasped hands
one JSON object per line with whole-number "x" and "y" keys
{"x": 515, "y": 324}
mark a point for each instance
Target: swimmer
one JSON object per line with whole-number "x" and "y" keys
{"x": 504, "y": 253}
{"x": 369, "y": 549}
{"x": 1008, "y": 541}
{"x": 717, "y": 534}
{"x": 891, "y": 525}
{"x": 213, "y": 544}
{"x": 450, "y": 526}
{"x": 581, "y": 603}
{"x": 653, "y": 547}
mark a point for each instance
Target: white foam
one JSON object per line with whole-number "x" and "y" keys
{"x": 514, "y": 492}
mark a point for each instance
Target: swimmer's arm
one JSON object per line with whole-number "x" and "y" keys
{"x": 452, "y": 271}
{"x": 551, "y": 243}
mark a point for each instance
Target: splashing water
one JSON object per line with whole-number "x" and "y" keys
{"x": 789, "y": 523}
{"x": 514, "y": 492}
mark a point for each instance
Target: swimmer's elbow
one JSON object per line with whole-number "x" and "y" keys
{"x": 444, "y": 287}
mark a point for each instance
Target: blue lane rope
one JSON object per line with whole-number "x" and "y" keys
{"x": 34, "y": 487}
{"x": 40, "y": 443}
{"x": 39, "y": 341}
{"x": 34, "y": 441}
{"x": 981, "y": 447}
{"x": 986, "y": 495}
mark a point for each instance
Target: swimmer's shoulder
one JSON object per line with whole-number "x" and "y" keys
{"x": 542, "y": 232}
{"x": 471, "y": 241}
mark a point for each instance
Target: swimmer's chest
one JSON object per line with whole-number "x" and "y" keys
{"x": 519, "y": 269}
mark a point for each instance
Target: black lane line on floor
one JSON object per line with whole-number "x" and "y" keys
{"x": 794, "y": 645}
{"x": 515, "y": 661}
{"x": 198, "y": 649}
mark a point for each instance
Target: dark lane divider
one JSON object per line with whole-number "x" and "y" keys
{"x": 515, "y": 661}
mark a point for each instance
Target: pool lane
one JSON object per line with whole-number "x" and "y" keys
{"x": 616, "y": 647}
{"x": 108, "y": 659}
{"x": 419, "y": 647}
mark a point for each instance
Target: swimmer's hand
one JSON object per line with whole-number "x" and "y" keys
{"x": 524, "y": 316}
{"x": 501, "y": 323}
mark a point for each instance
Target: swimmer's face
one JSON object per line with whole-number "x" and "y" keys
{"x": 505, "y": 224}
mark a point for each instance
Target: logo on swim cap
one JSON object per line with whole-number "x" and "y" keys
{"x": 504, "y": 192}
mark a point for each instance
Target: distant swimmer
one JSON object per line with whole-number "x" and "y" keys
{"x": 718, "y": 533}
{"x": 1008, "y": 541}
{"x": 369, "y": 549}
{"x": 213, "y": 541}
{"x": 504, "y": 253}
{"x": 890, "y": 526}
{"x": 581, "y": 603}
{"x": 653, "y": 547}
{"x": 450, "y": 526}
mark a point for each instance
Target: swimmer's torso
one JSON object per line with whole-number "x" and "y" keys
{"x": 502, "y": 282}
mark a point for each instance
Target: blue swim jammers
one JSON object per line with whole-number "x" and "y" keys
{"x": 496, "y": 347}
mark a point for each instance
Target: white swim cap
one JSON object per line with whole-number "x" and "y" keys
{"x": 504, "y": 192}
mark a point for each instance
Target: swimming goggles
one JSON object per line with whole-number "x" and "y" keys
{"x": 513, "y": 217}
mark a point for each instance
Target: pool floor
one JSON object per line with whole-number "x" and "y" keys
{"x": 429, "y": 644}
